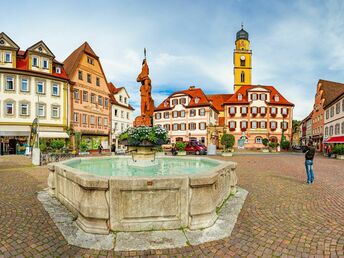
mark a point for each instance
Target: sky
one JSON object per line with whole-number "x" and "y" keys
{"x": 294, "y": 42}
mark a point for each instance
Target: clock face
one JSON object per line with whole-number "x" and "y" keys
{"x": 242, "y": 58}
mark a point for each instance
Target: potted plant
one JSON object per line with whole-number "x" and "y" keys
{"x": 285, "y": 144}
{"x": 265, "y": 142}
{"x": 180, "y": 146}
{"x": 83, "y": 147}
{"x": 339, "y": 151}
{"x": 227, "y": 140}
{"x": 272, "y": 146}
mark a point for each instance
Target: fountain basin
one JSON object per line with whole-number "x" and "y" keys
{"x": 107, "y": 196}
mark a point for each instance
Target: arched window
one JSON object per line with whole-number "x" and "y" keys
{"x": 242, "y": 77}
{"x": 259, "y": 139}
{"x": 242, "y": 62}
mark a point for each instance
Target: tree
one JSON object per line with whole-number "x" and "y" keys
{"x": 265, "y": 142}
{"x": 228, "y": 141}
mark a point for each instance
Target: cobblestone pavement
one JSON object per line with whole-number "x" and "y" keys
{"x": 282, "y": 216}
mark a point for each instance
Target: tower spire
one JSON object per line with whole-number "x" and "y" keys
{"x": 145, "y": 52}
{"x": 242, "y": 25}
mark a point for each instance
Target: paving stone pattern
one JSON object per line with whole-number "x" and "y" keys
{"x": 282, "y": 216}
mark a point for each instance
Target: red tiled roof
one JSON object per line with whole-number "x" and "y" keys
{"x": 331, "y": 91}
{"x": 243, "y": 90}
{"x": 113, "y": 90}
{"x": 218, "y": 99}
{"x": 193, "y": 93}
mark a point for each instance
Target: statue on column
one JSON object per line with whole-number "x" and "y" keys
{"x": 147, "y": 102}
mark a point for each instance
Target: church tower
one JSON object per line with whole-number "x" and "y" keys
{"x": 242, "y": 59}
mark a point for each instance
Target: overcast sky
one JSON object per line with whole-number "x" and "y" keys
{"x": 294, "y": 43}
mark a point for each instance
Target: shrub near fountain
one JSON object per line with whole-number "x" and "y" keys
{"x": 108, "y": 194}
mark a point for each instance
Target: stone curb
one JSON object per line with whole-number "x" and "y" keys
{"x": 139, "y": 241}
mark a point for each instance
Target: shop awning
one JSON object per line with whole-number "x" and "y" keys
{"x": 14, "y": 133}
{"x": 53, "y": 135}
{"x": 335, "y": 139}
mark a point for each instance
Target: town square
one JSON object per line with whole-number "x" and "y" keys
{"x": 177, "y": 129}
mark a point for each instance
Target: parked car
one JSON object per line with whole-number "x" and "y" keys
{"x": 195, "y": 147}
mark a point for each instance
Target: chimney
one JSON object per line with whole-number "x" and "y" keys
{"x": 192, "y": 87}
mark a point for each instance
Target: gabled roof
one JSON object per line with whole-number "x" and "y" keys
{"x": 43, "y": 45}
{"x": 73, "y": 59}
{"x": 113, "y": 90}
{"x": 243, "y": 90}
{"x": 331, "y": 91}
{"x": 218, "y": 99}
{"x": 9, "y": 40}
{"x": 193, "y": 93}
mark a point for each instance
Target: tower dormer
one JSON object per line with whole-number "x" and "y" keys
{"x": 242, "y": 59}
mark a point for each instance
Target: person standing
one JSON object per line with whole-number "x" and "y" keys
{"x": 309, "y": 157}
{"x": 100, "y": 148}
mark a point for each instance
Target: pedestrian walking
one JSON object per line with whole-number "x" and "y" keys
{"x": 100, "y": 148}
{"x": 309, "y": 157}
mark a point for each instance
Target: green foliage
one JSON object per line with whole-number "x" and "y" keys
{"x": 180, "y": 146}
{"x": 265, "y": 142}
{"x": 144, "y": 134}
{"x": 43, "y": 146}
{"x": 338, "y": 149}
{"x": 272, "y": 145}
{"x": 57, "y": 144}
{"x": 77, "y": 136}
{"x": 159, "y": 149}
{"x": 83, "y": 146}
{"x": 285, "y": 144}
{"x": 228, "y": 140}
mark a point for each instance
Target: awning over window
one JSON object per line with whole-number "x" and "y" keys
{"x": 335, "y": 139}
{"x": 9, "y": 130}
{"x": 53, "y": 135}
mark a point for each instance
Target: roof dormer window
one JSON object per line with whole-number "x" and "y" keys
{"x": 8, "y": 57}
{"x": 34, "y": 61}
{"x": 276, "y": 98}
{"x": 58, "y": 69}
{"x": 165, "y": 104}
{"x": 45, "y": 64}
{"x": 197, "y": 100}
{"x": 239, "y": 96}
{"x": 90, "y": 60}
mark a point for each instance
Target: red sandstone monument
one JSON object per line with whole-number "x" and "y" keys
{"x": 147, "y": 102}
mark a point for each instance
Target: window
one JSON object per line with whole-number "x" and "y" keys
{"x": 122, "y": 114}
{"x": 8, "y": 57}
{"x": 40, "y": 87}
{"x": 175, "y": 127}
{"x": 202, "y": 112}
{"x": 90, "y": 60}
{"x": 41, "y": 110}
{"x": 120, "y": 98}
{"x": 254, "y": 125}
{"x": 263, "y": 124}
{"x": 125, "y": 100}
{"x": 284, "y": 111}
{"x": 24, "y": 109}
{"x": 244, "y": 110}
{"x": 276, "y": 98}
{"x": 24, "y": 85}
{"x": 85, "y": 96}
{"x": 332, "y": 111}
{"x": 239, "y": 96}
{"x": 106, "y": 102}
{"x": 116, "y": 112}
{"x": 326, "y": 131}
{"x": 183, "y": 127}
{"x": 166, "y": 115}
{"x": 128, "y": 115}
{"x": 93, "y": 98}
{"x": 192, "y": 112}
{"x": 75, "y": 117}
{"x": 9, "y": 83}
{"x": 158, "y": 115}
{"x": 337, "y": 129}
{"x": 254, "y": 110}
{"x": 327, "y": 114}
{"x": 84, "y": 118}
{"x": 259, "y": 140}
{"x": 263, "y": 97}
{"x": 76, "y": 94}
{"x": 243, "y": 124}
{"x": 254, "y": 96}
{"x": 80, "y": 75}
{"x": 182, "y": 113}
{"x": 242, "y": 77}
{"x": 284, "y": 125}
{"x": 182, "y": 101}
{"x": 99, "y": 121}
{"x": 9, "y": 108}
{"x": 97, "y": 81}
{"x": 242, "y": 62}
{"x": 175, "y": 114}
{"x": 343, "y": 105}
{"x": 273, "y": 111}
{"x": 55, "y": 111}
{"x": 232, "y": 110}
{"x": 192, "y": 126}
{"x": 197, "y": 100}
{"x": 174, "y": 102}
{"x": 342, "y": 127}
{"x": 106, "y": 122}
{"x": 58, "y": 69}
{"x": 167, "y": 127}
{"x": 232, "y": 125}
{"x": 92, "y": 120}
{"x": 273, "y": 125}
{"x": 89, "y": 79}
{"x": 100, "y": 100}
{"x": 202, "y": 126}
{"x": 331, "y": 130}
{"x": 45, "y": 64}
{"x": 338, "y": 108}
{"x": 263, "y": 110}
{"x": 56, "y": 90}
{"x": 34, "y": 61}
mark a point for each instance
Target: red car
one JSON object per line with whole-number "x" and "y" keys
{"x": 195, "y": 147}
